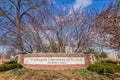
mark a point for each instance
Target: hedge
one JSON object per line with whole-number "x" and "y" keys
{"x": 104, "y": 67}
{"x": 9, "y": 66}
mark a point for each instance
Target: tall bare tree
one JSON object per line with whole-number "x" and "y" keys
{"x": 13, "y": 12}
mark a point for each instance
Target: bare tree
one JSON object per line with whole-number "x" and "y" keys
{"x": 63, "y": 29}
{"x": 108, "y": 24}
{"x": 13, "y": 13}
{"x": 32, "y": 26}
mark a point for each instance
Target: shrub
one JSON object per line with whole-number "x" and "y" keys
{"x": 22, "y": 53}
{"x": 104, "y": 67}
{"x": 103, "y": 55}
{"x": 11, "y": 62}
{"x": 9, "y": 66}
{"x": 113, "y": 62}
{"x": 54, "y": 48}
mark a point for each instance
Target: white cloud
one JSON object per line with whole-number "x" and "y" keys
{"x": 81, "y": 4}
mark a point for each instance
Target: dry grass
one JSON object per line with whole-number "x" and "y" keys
{"x": 5, "y": 60}
{"x": 28, "y": 74}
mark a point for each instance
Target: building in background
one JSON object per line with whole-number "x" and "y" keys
{"x": 113, "y": 56}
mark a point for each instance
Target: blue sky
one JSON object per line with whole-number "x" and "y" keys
{"x": 98, "y": 4}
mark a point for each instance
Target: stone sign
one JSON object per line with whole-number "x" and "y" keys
{"x": 57, "y": 61}
{"x": 54, "y": 60}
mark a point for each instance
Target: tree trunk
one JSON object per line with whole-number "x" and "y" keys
{"x": 19, "y": 38}
{"x": 2, "y": 56}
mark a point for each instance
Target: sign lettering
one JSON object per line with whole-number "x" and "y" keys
{"x": 54, "y": 60}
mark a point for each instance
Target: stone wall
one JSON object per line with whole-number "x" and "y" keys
{"x": 21, "y": 60}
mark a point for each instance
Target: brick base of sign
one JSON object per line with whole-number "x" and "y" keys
{"x": 68, "y": 65}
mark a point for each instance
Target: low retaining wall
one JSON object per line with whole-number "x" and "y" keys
{"x": 54, "y": 61}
